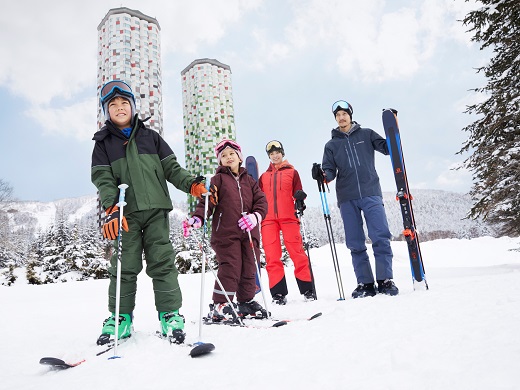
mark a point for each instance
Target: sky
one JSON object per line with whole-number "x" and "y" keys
{"x": 460, "y": 334}
{"x": 289, "y": 60}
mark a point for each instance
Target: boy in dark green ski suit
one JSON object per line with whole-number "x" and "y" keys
{"x": 127, "y": 152}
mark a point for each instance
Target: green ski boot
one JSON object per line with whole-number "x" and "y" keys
{"x": 109, "y": 328}
{"x": 172, "y": 324}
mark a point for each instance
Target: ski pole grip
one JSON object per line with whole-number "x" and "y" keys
{"x": 122, "y": 190}
{"x": 207, "y": 184}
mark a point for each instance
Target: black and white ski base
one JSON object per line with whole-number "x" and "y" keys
{"x": 250, "y": 322}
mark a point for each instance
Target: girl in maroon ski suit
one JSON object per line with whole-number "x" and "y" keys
{"x": 240, "y": 209}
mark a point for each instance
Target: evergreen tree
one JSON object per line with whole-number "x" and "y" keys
{"x": 494, "y": 139}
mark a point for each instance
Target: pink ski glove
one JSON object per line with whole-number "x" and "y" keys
{"x": 248, "y": 222}
{"x": 193, "y": 222}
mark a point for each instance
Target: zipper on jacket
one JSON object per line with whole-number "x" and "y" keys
{"x": 218, "y": 223}
{"x": 275, "y": 192}
{"x": 161, "y": 184}
{"x": 355, "y": 168}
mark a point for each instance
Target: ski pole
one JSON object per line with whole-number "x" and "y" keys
{"x": 299, "y": 215}
{"x": 121, "y": 204}
{"x": 258, "y": 269}
{"x": 326, "y": 215}
{"x": 201, "y": 245}
{"x": 203, "y": 270}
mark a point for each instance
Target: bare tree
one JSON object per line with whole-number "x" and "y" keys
{"x": 6, "y": 191}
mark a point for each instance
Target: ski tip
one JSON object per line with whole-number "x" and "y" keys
{"x": 279, "y": 323}
{"x": 201, "y": 349}
{"x": 58, "y": 364}
{"x": 316, "y": 315}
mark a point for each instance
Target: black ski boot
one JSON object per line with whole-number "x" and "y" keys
{"x": 387, "y": 287}
{"x": 251, "y": 309}
{"x": 364, "y": 290}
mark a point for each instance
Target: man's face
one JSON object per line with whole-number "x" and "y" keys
{"x": 343, "y": 119}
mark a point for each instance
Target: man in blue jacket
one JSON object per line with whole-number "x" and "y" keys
{"x": 349, "y": 157}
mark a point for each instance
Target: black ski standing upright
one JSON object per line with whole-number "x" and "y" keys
{"x": 299, "y": 206}
{"x": 393, "y": 140}
{"x": 252, "y": 167}
{"x": 252, "y": 170}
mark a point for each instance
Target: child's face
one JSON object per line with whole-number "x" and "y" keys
{"x": 120, "y": 112}
{"x": 276, "y": 157}
{"x": 230, "y": 159}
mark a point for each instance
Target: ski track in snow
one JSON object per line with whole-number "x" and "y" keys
{"x": 461, "y": 334}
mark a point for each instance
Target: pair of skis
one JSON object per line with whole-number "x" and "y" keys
{"x": 197, "y": 349}
{"x": 275, "y": 323}
{"x": 403, "y": 196}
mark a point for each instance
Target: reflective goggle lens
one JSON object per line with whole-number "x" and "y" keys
{"x": 109, "y": 88}
{"x": 341, "y": 104}
{"x": 273, "y": 145}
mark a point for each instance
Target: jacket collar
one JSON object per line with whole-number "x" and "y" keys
{"x": 337, "y": 133}
{"x": 283, "y": 165}
{"x": 110, "y": 128}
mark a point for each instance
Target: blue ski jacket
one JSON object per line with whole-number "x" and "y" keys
{"x": 350, "y": 158}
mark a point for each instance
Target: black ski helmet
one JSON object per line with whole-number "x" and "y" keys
{"x": 273, "y": 146}
{"x": 344, "y": 106}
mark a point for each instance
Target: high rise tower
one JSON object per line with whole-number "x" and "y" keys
{"x": 208, "y": 114}
{"x": 129, "y": 49}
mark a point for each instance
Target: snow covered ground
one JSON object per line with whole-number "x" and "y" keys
{"x": 464, "y": 333}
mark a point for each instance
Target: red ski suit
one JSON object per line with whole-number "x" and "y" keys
{"x": 279, "y": 185}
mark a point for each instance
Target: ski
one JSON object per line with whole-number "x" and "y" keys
{"x": 252, "y": 167}
{"x": 393, "y": 140}
{"x": 197, "y": 349}
{"x": 275, "y": 323}
{"x": 58, "y": 364}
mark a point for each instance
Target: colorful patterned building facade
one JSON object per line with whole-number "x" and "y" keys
{"x": 208, "y": 114}
{"x": 129, "y": 49}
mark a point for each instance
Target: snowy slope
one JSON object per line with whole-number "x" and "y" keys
{"x": 461, "y": 334}
{"x": 438, "y": 214}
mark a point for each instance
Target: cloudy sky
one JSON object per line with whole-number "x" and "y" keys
{"x": 290, "y": 61}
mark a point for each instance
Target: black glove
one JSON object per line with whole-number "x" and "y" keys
{"x": 317, "y": 173}
{"x": 300, "y": 196}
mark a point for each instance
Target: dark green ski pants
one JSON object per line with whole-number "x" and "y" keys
{"x": 148, "y": 231}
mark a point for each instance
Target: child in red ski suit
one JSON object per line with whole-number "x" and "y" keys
{"x": 280, "y": 182}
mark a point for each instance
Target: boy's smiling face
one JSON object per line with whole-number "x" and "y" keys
{"x": 120, "y": 112}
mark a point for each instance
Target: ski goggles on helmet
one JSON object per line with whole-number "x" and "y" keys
{"x": 342, "y": 105}
{"x": 225, "y": 143}
{"x": 273, "y": 145}
{"x": 110, "y": 89}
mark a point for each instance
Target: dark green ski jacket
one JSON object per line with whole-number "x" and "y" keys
{"x": 144, "y": 161}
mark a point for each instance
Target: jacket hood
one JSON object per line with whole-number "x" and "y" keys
{"x": 337, "y": 133}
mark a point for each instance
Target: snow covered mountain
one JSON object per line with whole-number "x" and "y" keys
{"x": 438, "y": 214}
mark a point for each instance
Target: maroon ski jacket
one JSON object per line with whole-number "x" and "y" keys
{"x": 236, "y": 194}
